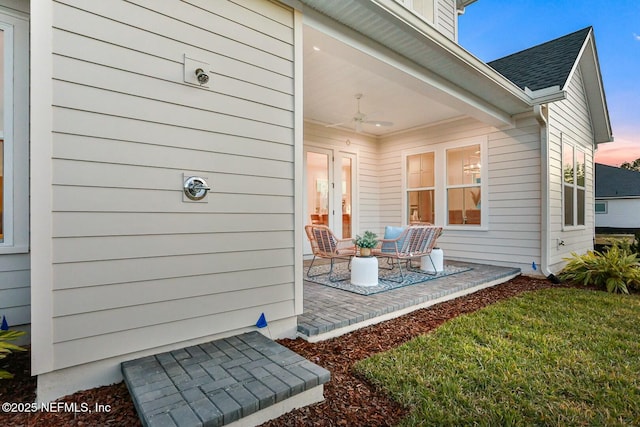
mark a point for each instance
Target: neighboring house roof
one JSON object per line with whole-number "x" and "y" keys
{"x": 616, "y": 182}
{"x": 546, "y": 65}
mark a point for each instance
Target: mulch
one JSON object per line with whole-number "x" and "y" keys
{"x": 349, "y": 400}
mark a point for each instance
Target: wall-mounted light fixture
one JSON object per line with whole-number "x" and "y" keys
{"x": 196, "y": 72}
{"x": 203, "y": 78}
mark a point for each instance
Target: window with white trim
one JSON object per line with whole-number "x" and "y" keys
{"x": 601, "y": 207}
{"x": 463, "y": 185}
{"x": 573, "y": 188}
{"x": 14, "y": 134}
{"x": 443, "y": 184}
{"x": 421, "y": 188}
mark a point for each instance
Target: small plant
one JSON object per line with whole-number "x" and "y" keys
{"x": 7, "y": 348}
{"x": 635, "y": 246}
{"x": 615, "y": 270}
{"x": 368, "y": 240}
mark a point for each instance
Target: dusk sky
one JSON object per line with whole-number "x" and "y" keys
{"x": 491, "y": 29}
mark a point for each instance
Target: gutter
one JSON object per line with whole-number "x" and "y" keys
{"x": 545, "y": 225}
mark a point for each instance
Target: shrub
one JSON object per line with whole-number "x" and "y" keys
{"x": 615, "y": 270}
{"x": 7, "y": 348}
{"x": 635, "y": 246}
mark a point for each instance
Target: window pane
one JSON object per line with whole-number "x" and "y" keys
{"x": 347, "y": 193}
{"x": 568, "y": 205}
{"x": 463, "y": 165}
{"x": 421, "y": 206}
{"x": 426, "y": 170}
{"x": 464, "y": 205}
{"x": 318, "y": 187}
{"x": 413, "y": 171}
{"x": 420, "y": 171}
{"x": 581, "y": 207}
{"x": 580, "y": 167}
{"x": 567, "y": 163}
{"x": 601, "y": 207}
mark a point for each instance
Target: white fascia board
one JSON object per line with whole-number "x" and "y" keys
{"x": 546, "y": 95}
{"x": 391, "y": 65}
{"x": 587, "y": 59}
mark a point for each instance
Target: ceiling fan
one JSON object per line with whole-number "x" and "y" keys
{"x": 359, "y": 118}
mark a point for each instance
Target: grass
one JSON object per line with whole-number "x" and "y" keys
{"x": 553, "y": 357}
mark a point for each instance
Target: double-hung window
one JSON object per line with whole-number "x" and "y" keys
{"x": 443, "y": 184}
{"x": 574, "y": 190}
{"x": 421, "y": 188}
{"x": 464, "y": 172}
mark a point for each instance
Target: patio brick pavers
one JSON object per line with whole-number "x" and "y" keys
{"x": 328, "y": 309}
{"x": 217, "y": 382}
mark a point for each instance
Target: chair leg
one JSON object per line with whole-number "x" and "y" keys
{"x": 402, "y": 276}
{"x": 311, "y": 265}
{"x": 419, "y": 270}
{"x": 330, "y": 273}
{"x": 388, "y": 263}
{"x": 333, "y": 279}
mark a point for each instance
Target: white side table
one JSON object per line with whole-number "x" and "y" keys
{"x": 364, "y": 271}
{"x": 437, "y": 255}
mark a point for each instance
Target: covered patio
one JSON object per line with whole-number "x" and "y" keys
{"x": 330, "y": 312}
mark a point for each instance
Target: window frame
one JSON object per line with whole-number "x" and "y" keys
{"x": 440, "y": 187}
{"x": 603, "y": 203}
{"x": 448, "y": 186}
{"x": 15, "y": 134}
{"x": 408, "y": 189}
{"x": 574, "y": 186}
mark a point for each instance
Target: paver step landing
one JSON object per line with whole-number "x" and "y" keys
{"x": 221, "y": 382}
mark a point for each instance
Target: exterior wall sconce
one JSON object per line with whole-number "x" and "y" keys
{"x": 196, "y": 72}
{"x": 203, "y": 78}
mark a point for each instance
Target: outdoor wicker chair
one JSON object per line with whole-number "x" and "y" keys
{"x": 415, "y": 241}
{"x": 324, "y": 244}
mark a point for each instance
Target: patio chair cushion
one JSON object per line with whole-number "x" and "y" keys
{"x": 391, "y": 232}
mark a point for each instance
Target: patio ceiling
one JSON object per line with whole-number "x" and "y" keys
{"x": 408, "y": 72}
{"x": 335, "y": 72}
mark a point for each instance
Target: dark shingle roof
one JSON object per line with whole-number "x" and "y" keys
{"x": 616, "y": 182}
{"x": 545, "y": 65}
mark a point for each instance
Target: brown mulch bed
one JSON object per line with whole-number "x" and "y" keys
{"x": 349, "y": 400}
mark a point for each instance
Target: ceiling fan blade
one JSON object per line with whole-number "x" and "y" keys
{"x": 378, "y": 123}
{"x": 333, "y": 125}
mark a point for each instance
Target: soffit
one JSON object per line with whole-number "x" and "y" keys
{"x": 396, "y": 28}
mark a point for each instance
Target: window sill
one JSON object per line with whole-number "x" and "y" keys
{"x": 5, "y": 250}
{"x": 464, "y": 227}
{"x": 574, "y": 227}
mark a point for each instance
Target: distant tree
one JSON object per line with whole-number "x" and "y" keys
{"x": 633, "y": 166}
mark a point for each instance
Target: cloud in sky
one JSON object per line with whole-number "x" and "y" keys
{"x": 637, "y": 37}
{"x": 626, "y": 148}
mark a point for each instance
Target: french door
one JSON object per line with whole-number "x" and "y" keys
{"x": 330, "y": 190}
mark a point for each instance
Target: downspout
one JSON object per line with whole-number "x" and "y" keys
{"x": 545, "y": 223}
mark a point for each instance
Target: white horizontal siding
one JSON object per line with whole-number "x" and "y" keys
{"x": 15, "y": 302}
{"x": 446, "y": 16}
{"x": 73, "y": 352}
{"x": 619, "y": 214}
{"x": 513, "y": 234}
{"x": 569, "y": 120}
{"x": 96, "y": 224}
{"x": 131, "y": 258}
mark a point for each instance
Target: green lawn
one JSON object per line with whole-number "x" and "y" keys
{"x": 554, "y": 357}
